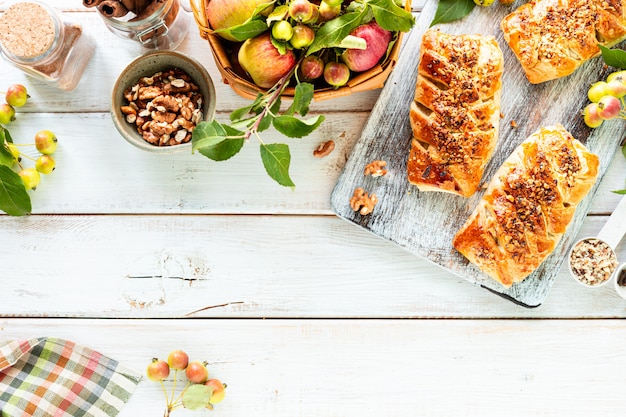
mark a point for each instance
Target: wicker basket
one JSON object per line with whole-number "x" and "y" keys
{"x": 368, "y": 80}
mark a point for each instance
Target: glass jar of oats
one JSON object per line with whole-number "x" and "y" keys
{"x": 160, "y": 24}
{"x": 45, "y": 44}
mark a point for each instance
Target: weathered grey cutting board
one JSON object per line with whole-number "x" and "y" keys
{"x": 425, "y": 223}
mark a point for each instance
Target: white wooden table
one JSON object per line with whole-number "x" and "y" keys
{"x": 300, "y": 312}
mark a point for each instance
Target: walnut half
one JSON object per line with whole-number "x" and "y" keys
{"x": 363, "y": 202}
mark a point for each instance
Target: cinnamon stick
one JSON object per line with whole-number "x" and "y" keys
{"x": 148, "y": 7}
{"x": 112, "y": 8}
{"x": 92, "y": 3}
{"x": 138, "y": 6}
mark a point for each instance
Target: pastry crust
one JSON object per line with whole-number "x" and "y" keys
{"x": 456, "y": 112}
{"x": 528, "y": 205}
{"x": 552, "y": 38}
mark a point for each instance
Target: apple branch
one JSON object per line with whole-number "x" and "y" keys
{"x": 276, "y": 93}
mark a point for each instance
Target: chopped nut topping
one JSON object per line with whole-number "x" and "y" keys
{"x": 165, "y": 107}
{"x": 375, "y": 169}
{"x": 363, "y": 202}
{"x": 593, "y": 261}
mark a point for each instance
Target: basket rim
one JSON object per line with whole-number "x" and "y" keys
{"x": 371, "y": 79}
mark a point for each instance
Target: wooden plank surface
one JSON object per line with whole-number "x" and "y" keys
{"x": 246, "y": 266}
{"x": 322, "y": 368}
{"x": 425, "y": 223}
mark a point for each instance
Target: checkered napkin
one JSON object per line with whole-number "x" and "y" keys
{"x": 50, "y": 377}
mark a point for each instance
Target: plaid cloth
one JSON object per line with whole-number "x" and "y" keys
{"x": 50, "y": 377}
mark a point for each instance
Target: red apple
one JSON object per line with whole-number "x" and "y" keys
{"x": 224, "y": 14}
{"x": 263, "y": 62}
{"x": 377, "y": 40}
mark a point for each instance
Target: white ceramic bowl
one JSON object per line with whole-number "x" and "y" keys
{"x": 147, "y": 65}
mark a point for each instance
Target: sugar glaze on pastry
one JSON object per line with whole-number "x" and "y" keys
{"x": 552, "y": 38}
{"x": 455, "y": 114}
{"x": 528, "y": 205}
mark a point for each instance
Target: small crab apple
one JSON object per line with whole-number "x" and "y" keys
{"x": 328, "y": 12}
{"x": 30, "y": 178}
{"x": 609, "y": 107}
{"x": 591, "y": 117}
{"x": 333, "y": 2}
{"x": 311, "y": 67}
{"x": 336, "y": 73}
{"x": 484, "y": 2}
{"x": 16, "y": 95}
{"x": 303, "y": 36}
{"x": 197, "y": 372}
{"x": 178, "y": 359}
{"x": 7, "y": 114}
{"x": 597, "y": 91}
{"x": 282, "y": 30}
{"x": 301, "y": 10}
{"x": 14, "y": 151}
{"x": 158, "y": 370}
{"x": 46, "y": 142}
{"x": 219, "y": 390}
{"x": 617, "y": 75}
{"x": 616, "y": 88}
{"x": 45, "y": 164}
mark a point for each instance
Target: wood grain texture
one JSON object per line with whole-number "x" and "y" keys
{"x": 241, "y": 266}
{"x": 424, "y": 223}
{"x": 367, "y": 368}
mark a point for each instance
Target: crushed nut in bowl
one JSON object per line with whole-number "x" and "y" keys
{"x": 159, "y": 99}
{"x": 592, "y": 262}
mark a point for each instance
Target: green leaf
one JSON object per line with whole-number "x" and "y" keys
{"x": 620, "y": 192}
{"x": 14, "y": 199}
{"x": 293, "y": 127}
{"x": 331, "y": 33}
{"x": 279, "y": 13}
{"x": 216, "y": 141}
{"x": 451, "y": 10}
{"x": 391, "y": 17}
{"x": 302, "y": 97}
{"x": 197, "y": 396}
{"x": 241, "y": 113}
{"x": 280, "y": 46}
{"x": 276, "y": 159}
{"x": 6, "y": 157}
{"x": 353, "y": 42}
{"x": 247, "y": 30}
{"x": 624, "y": 151}
{"x": 613, "y": 57}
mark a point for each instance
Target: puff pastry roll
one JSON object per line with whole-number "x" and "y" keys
{"x": 456, "y": 112}
{"x": 528, "y": 205}
{"x": 552, "y": 38}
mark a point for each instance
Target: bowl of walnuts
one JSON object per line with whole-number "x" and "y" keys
{"x": 158, "y": 100}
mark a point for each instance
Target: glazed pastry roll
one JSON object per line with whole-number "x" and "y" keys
{"x": 552, "y": 38}
{"x": 455, "y": 114}
{"x": 528, "y": 205}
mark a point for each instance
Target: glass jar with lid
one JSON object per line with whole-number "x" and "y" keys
{"x": 161, "y": 25}
{"x": 45, "y": 44}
